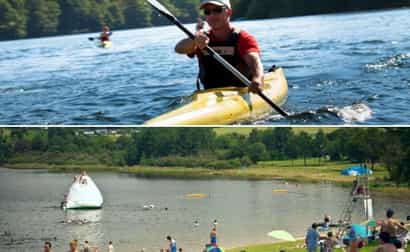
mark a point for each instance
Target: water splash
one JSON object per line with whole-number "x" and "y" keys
{"x": 397, "y": 61}
{"x": 355, "y": 113}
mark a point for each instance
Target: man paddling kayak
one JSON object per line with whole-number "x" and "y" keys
{"x": 237, "y": 47}
{"x": 105, "y": 34}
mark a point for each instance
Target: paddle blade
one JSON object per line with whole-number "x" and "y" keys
{"x": 159, "y": 7}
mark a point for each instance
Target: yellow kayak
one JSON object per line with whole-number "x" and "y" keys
{"x": 106, "y": 44}
{"x": 227, "y": 105}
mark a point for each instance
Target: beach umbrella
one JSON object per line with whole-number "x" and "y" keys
{"x": 214, "y": 249}
{"x": 356, "y": 171}
{"x": 281, "y": 235}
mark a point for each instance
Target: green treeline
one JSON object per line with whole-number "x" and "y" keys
{"x": 203, "y": 148}
{"x": 36, "y": 18}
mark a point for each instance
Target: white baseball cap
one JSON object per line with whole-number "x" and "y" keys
{"x": 225, "y": 3}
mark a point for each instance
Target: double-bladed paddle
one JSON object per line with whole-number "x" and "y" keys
{"x": 161, "y": 9}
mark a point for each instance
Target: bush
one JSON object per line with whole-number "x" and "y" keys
{"x": 196, "y": 162}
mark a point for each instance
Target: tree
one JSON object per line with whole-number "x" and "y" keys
{"x": 137, "y": 13}
{"x": 13, "y": 19}
{"x": 319, "y": 144}
{"x": 257, "y": 152}
{"x": 5, "y": 149}
{"x": 43, "y": 17}
{"x": 304, "y": 141}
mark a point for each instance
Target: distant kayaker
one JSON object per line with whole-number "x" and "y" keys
{"x": 105, "y": 34}
{"x": 237, "y": 47}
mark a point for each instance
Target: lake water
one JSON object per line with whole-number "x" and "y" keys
{"x": 246, "y": 211}
{"x": 331, "y": 62}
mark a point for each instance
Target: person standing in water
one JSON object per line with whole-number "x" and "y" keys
{"x": 172, "y": 244}
{"x": 74, "y": 246}
{"x": 212, "y": 236}
{"x": 110, "y": 247}
{"x": 47, "y": 247}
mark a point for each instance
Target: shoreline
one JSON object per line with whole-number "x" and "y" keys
{"x": 311, "y": 175}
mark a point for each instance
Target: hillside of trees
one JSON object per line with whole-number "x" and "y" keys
{"x": 36, "y": 18}
{"x": 203, "y": 148}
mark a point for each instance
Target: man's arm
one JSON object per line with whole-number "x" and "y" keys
{"x": 185, "y": 46}
{"x": 400, "y": 226}
{"x": 188, "y": 46}
{"x": 255, "y": 69}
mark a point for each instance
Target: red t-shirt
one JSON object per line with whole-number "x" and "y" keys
{"x": 246, "y": 44}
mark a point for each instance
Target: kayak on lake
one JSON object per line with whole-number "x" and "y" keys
{"x": 227, "y": 105}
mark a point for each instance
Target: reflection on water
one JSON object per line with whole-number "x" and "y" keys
{"x": 84, "y": 225}
{"x": 139, "y": 213}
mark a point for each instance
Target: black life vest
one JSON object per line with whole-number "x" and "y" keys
{"x": 214, "y": 75}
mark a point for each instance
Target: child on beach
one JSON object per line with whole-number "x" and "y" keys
{"x": 330, "y": 242}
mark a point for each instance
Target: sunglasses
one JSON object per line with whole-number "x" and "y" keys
{"x": 217, "y": 10}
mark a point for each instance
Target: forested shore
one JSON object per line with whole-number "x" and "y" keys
{"x": 204, "y": 148}
{"x": 38, "y": 18}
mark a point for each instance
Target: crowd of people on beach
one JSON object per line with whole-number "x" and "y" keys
{"x": 391, "y": 233}
{"x": 319, "y": 236}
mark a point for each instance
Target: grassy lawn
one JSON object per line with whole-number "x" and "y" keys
{"x": 291, "y": 247}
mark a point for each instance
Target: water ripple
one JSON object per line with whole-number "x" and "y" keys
{"x": 68, "y": 80}
{"x": 397, "y": 61}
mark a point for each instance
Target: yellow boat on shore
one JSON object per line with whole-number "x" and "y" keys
{"x": 227, "y": 105}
